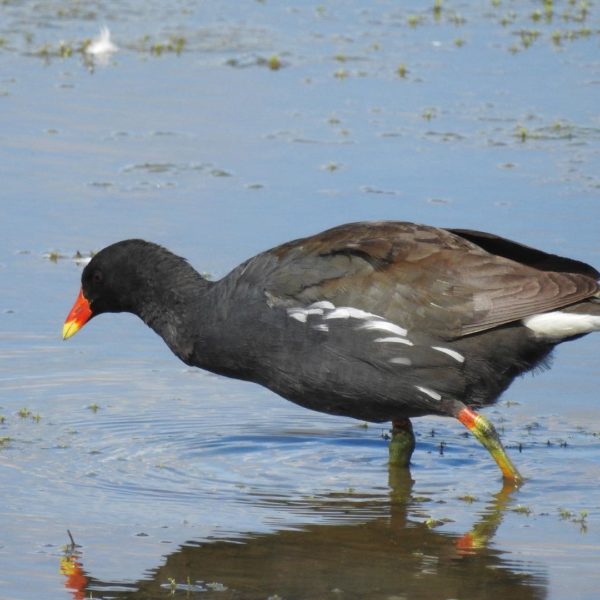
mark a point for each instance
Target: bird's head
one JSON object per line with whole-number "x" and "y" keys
{"x": 110, "y": 282}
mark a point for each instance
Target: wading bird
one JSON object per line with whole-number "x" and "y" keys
{"x": 380, "y": 321}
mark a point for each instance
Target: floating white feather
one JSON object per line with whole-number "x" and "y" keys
{"x": 102, "y": 45}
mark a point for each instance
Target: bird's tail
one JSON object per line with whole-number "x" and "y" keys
{"x": 568, "y": 322}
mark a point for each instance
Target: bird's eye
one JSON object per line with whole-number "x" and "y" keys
{"x": 97, "y": 277}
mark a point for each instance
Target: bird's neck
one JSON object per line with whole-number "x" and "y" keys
{"x": 176, "y": 305}
{"x": 198, "y": 319}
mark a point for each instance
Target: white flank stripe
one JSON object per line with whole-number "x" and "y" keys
{"x": 299, "y": 315}
{"x": 557, "y": 325}
{"x": 395, "y": 340}
{"x": 321, "y": 327}
{"x": 323, "y": 304}
{"x": 453, "y": 353}
{"x": 401, "y": 360}
{"x": 429, "y": 392}
{"x": 347, "y": 312}
{"x": 384, "y": 326}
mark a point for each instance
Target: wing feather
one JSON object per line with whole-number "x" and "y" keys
{"x": 422, "y": 277}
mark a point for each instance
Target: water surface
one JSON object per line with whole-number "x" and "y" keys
{"x": 218, "y": 130}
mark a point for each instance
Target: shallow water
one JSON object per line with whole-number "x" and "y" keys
{"x": 175, "y": 482}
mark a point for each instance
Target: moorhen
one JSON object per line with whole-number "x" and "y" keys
{"x": 380, "y": 321}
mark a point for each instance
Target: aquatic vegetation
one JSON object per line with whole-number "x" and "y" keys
{"x": 528, "y": 36}
{"x": 429, "y": 113}
{"x": 79, "y": 257}
{"x": 53, "y": 256}
{"x": 172, "y": 585}
{"x": 174, "y": 44}
{"x": 189, "y": 587}
{"x": 578, "y": 518}
{"x": 431, "y": 522}
{"x": 556, "y": 131}
{"x": 331, "y": 167}
{"x": 522, "y": 133}
{"x": 402, "y": 71}
{"x": 468, "y": 498}
{"x": 65, "y": 50}
{"x": 216, "y": 586}
{"x": 100, "y": 49}
{"x": 414, "y": 20}
{"x": 508, "y": 19}
{"x": 274, "y": 63}
{"x": 25, "y": 413}
{"x": 536, "y": 15}
{"x": 522, "y": 509}
{"x": 178, "y": 42}
{"x": 546, "y": 14}
{"x": 220, "y": 173}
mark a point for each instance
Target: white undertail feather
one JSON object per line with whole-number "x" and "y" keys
{"x": 558, "y": 325}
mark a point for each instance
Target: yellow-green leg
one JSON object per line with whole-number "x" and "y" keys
{"x": 486, "y": 433}
{"x": 402, "y": 443}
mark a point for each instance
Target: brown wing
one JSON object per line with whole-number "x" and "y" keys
{"x": 419, "y": 277}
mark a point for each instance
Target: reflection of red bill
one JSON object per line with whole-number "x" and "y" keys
{"x": 75, "y": 579}
{"x": 80, "y": 314}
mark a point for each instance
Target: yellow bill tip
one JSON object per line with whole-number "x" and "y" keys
{"x": 70, "y": 328}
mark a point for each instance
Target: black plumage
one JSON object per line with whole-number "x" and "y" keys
{"x": 378, "y": 321}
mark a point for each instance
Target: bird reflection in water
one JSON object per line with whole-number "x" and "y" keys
{"x": 362, "y": 547}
